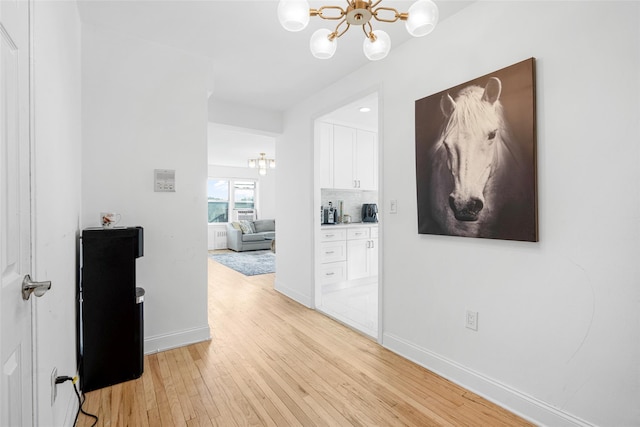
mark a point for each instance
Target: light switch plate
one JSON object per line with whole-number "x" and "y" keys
{"x": 393, "y": 206}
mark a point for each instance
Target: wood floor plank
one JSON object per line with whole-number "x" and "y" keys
{"x": 273, "y": 362}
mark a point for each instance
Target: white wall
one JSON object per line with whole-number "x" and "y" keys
{"x": 56, "y": 181}
{"x": 228, "y": 113}
{"x": 145, "y": 108}
{"x": 559, "y": 329}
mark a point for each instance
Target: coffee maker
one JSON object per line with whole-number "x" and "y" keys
{"x": 329, "y": 215}
{"x": 369, "y": 212}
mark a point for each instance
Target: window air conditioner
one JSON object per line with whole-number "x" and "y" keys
{"x": 244, "y": 215}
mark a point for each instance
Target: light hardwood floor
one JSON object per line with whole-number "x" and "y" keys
{"x": 274, "y": 362}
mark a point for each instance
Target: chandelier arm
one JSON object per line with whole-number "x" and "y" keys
{"x": 375, "y": 4}
{"x": 320, "y": 11}
{"x": 370, "y": 34}
{"x": 337, "y": 33}
{"x": 397, "y": 15}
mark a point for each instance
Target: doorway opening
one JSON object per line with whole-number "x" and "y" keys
{"x": 346, "y": 285}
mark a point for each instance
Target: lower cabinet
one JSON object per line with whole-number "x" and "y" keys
{"x": 333, "y": 272}
{"x": 362, "y": 253}
{"x": 348, "y": 254}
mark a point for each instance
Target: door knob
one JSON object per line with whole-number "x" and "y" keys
{"x": 38, "y": 288}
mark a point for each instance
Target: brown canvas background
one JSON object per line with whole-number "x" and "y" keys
{"x": 518, "y": 100}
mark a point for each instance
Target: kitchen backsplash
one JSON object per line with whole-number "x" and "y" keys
{"x": 352, "y": 200}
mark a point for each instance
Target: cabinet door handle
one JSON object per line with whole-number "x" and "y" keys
{"x": 330, "y": 274}
{"x": 329, "y": 252}
{"x": 372, "y": 244}
{"x": 329, "y": 235}
{"x": 355, "y": 184}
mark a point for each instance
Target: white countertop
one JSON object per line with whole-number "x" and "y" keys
{"x": 351, "y": 224}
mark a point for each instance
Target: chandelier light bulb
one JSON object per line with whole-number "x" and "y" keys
{"x": 423, "y": 17}
{"x": 262, "y": 171}
{"x": 321, "y": 46}
{"x": 378, "y": 48}
{"x": 293, "y": 14}
{"x": 252, "y": 163}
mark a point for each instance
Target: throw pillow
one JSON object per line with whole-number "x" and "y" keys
{"x": 246, "y": 227}
{"x": 236, "y": 225}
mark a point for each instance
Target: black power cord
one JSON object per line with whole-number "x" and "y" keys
{"x": 81, "y": 399}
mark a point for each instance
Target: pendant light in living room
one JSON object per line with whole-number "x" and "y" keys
{"x": 262, "y": 163}
{"x": 420, "y": 20}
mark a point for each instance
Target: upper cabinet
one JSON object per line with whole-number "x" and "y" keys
{"x": 325, "y": 136}
{"x": 348, "y": 158}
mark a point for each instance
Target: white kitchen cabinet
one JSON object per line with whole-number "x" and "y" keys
{"x": 348, "y": 158}
{"x": 333, "y": 256}
{"x": 333, "y": 234}
{"x": 325, "y": 136}
{"x": 348, "y": 253}
{"x": 333, "y": 272}
{"x": 362, "y": 253}
{"x": 333, "y": 251}
{"x": 373, "y": 257}
{"x": 344, "y": 143}
{"x": 366, "y": 160}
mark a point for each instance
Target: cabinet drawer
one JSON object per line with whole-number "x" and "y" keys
{"x": 333, "y": 235}
{"x": 333, "y": 272}
{"x": 374, "y": 232}
{"x": 357, "y": 233}
{"x": 333, "y": 251}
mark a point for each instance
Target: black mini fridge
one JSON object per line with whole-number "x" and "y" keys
{"x": 110, "y": 307}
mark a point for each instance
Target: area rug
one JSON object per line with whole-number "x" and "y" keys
{"x": 249, "y": 263}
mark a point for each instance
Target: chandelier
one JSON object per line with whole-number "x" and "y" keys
{"x": 262, "y": 163}
{"x": 420, "y": 20}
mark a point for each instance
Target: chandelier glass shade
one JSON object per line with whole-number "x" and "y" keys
{"x": 420, "y": 20}
{"x": 262, "y": 163}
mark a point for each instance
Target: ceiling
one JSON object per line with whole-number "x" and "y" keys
{"x": 256, "y": 62}
{"x": 234, "y": 147}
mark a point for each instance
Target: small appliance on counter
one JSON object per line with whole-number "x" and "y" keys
{"x": 369, "y": 212}
{"x": 329, "y": 215}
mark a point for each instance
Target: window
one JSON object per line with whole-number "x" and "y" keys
{"x": 225, "y": 195}
{"x": 244, "y": 194}
{"x": 218, "y": 192}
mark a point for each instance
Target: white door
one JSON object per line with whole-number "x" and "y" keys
{"x": 15, "y": 216}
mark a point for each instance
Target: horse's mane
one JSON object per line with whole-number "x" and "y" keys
{"x": 469, "y": 110}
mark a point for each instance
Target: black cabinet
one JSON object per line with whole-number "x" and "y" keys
{"x": 110, "y": 307}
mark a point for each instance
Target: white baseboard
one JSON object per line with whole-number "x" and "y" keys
{"x": 294, "y": 295}
{"x": 176, "y": 339}
{"x": 509, "y": 398}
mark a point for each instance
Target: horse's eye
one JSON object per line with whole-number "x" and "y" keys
{"x": 492, "y": 135}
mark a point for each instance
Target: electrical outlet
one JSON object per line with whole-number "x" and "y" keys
{"x": 393, "y": 206}
{"x": 471, "y": 321}
{"x": 54, "y": 386}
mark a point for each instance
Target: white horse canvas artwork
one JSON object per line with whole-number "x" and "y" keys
{"x": 476, "y": 157}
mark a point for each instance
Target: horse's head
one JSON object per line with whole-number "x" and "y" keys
{"x": 470, "y": 137}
